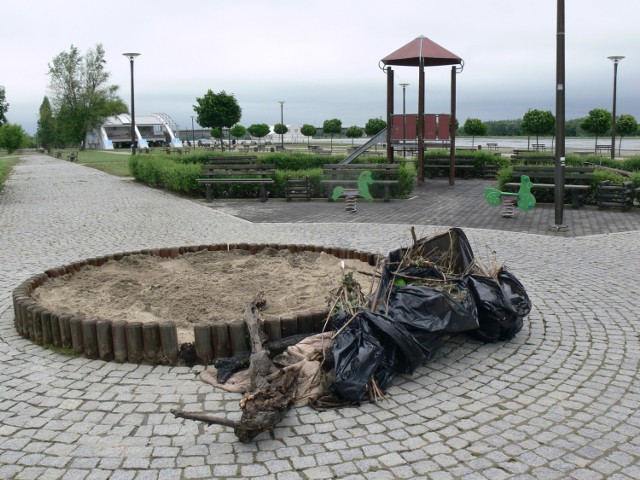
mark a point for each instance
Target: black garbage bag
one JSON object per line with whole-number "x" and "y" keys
{"x": 502, "y": 304}
{"x": 449, "y": 250}
{"x": 448, "y": 308}
{"x": 514, "y": 292}
{"x": 372, "y": 346}
{"x": 421, "y": 284}
{"x": 357, "y": 354}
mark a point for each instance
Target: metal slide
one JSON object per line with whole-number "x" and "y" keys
{"x": 377, "y": 138}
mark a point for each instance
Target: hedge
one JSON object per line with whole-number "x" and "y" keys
{"x": 179, "y": 174}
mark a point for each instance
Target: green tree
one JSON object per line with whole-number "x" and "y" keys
{"x": 46, "y": 132}
{"x": 258, "y": 130}
{"x": 374, "y": 126}
{"x": 238, "y": 131}
{"x": 538, "y": 122}
{"x": 353, "y": 132}
{"x": 12, "y": 137}
{"x": 598, "y": 122}
{"x": 81, "y": 95}
{"x": 280, "y": 129}
{"x": 217, "y": 110}
{"x": 626, "y": 125}
{"x": 474, "y": 127}
{"x": 4, "y": 106}
{"x": 332, "y": 127}
{"x": 308, "y": 131}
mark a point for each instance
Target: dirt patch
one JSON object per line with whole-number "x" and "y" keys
{"x": 200, "y": 287}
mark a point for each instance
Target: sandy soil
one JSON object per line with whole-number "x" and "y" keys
{"x": 199, "y": 287}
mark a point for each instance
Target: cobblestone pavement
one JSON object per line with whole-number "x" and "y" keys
{"x": 558, "y": 401}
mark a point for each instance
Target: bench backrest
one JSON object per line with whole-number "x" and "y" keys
{"x": 444, "y": 160}
{"x": 229, "y": 159}
{"x": 237, "y": 169}
{"x": 548, "y": 172}
{"x": 353, "y": 170}
{"x": 532, "y": 160}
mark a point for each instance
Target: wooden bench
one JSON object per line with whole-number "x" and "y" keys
{"x": 603, "y": 148}
{"x": 539, "y": 147}
{"x": 346, "y": 175}
{"x": 520, "y": 151}
{"x": 464, "y": 164}
{"x": 297, "y": 188}
{"x": 236, "y": 169}
{"x": 615, "y": 195}
{"x": 533, "y": 159}
{"x": 543, "y": 176}
{"x": 492, "y": 146}
{"x": 73, "y": 157}
{"x": 318, "y": 150}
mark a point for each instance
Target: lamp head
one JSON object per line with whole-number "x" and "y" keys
{"x": 131, "y": 56}
{"x": 403, "y": 85}
{"x": 615, "y": 58}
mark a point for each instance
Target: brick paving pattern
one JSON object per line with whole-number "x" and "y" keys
{"x": 558, "y": 401}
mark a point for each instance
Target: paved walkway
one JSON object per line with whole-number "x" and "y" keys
{"x": 558, "y": 401}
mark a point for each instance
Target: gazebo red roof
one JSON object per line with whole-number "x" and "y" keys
{"x": 433, "y": 55}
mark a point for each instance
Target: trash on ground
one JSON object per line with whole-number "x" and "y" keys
{"x": 425, "y": 294}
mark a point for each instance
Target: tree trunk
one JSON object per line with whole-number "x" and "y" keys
{"x": 272, "y": 390}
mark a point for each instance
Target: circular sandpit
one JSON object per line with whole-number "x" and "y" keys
{"x": 145, "y": 306}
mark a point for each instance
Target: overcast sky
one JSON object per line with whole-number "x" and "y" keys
{"x": 322, "y": 57}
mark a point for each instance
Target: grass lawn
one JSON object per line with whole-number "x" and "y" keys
{"x": 114, "y": 163}
{"x": 6, "y": 162}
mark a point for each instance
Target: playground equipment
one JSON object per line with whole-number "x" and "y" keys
{"x": 523, "y": 198}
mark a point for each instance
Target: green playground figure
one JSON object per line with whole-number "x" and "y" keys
{"x": 364, "y": 180}
{"x": 524, "y": 199}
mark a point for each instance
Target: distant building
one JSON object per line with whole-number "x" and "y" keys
{"x": 153, "y": 130}
{"x": 293, "y": 135}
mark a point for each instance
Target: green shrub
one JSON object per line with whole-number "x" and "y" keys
{"x": 182, "y": 178}
{"x": 150, "y": 169}
{"x": 298, "y": 161}
{"x": 179, "y": 174}
{"x": 631, "y": 164}
{"x": 505, "y": 175}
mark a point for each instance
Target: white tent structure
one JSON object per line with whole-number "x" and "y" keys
{"x": 153, "y": 130}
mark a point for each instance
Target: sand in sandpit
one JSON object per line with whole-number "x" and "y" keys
{"x": 200, "y": 287}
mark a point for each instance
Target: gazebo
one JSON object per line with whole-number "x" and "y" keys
{"x": 422, "y": 52}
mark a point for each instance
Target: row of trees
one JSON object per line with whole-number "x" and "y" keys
{"x": 539, "y": 122}
{"x": 221, "y": 110}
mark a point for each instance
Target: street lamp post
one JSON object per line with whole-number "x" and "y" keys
{"x": 404, "y": 118}
{"x": 281, "y": 102}
{"x": 132, "y": 57}
{"x": 193, "y": 132}
{"x": 616, "y": 60}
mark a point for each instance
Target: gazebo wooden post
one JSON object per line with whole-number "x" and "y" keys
{"x": 421, "y": 123}
{"x": 389, "y": 72}
{"x": 452, "y": 129}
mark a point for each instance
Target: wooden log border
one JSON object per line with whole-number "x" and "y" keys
{"x": 106, "y": 339}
